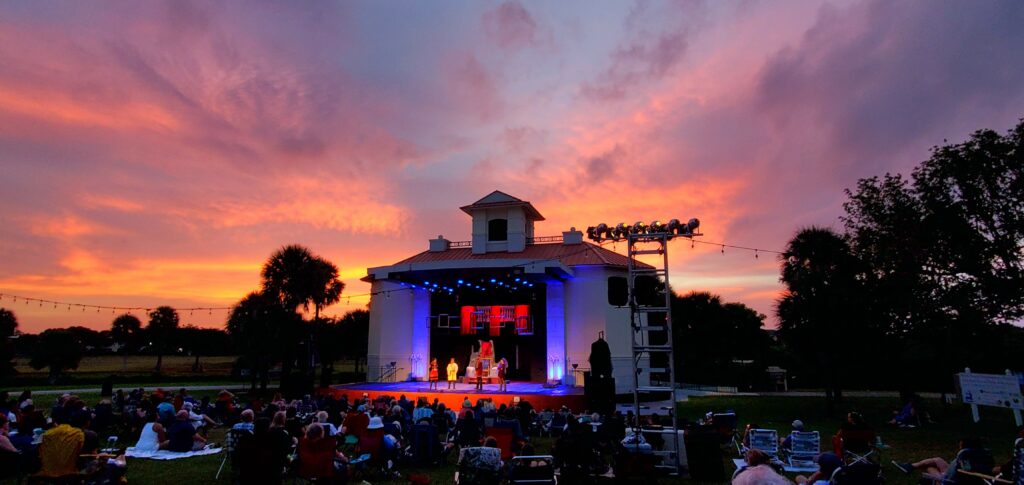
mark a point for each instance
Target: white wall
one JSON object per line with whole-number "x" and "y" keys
{"x": 394, "y": 335}
{"x": 556, "y": 331}
{"x": 588, "y": 312}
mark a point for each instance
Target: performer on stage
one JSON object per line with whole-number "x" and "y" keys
{"x": 453, "y": 370}
{"x": 433, "y": 374}
{"x": 479, "y": 380}
{"x": 502, "y": 367}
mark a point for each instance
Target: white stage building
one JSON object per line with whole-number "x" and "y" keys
{"x": 542, "y": 301}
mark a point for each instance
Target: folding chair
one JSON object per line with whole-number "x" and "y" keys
{"x": 532, "y": 469}
{"x": 972, "y": 466}
{"x": 230, "y": 444}
{"x": 425, "y": 448}
{"x": 858, "y": 473}
{"x": 857, "y": 446}
{"x": 725, "y": 426}
{"x": 478, "y": 465}
{"x": 804, "y": 447}
{"x": 765, "y": 440}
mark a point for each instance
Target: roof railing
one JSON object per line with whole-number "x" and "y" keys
{"x": 529, "y": 240}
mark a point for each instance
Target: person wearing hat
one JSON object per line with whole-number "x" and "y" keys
{"x": 786, "y": 443}
{"x": 182, "y": 437}
{"x": 827, "y": 464}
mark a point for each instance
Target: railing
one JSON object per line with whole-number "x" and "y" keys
{"x": 543, "y": 239}
{"x": 529, "y": 240}
{"x": 388, "y": 373}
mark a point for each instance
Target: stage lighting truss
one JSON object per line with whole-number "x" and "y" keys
{"x": 673, "y": 228}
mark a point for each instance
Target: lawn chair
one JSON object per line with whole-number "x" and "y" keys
{"x": 856, "y": 446}
{"x": 505, "y": 437}
{"x": 804, "y": 447}
{"x": 857, "y": 473}
{"x": 478, "y": 466}
{"x": 765, "y": 440}
{"x": 230, "y": 445}
{"x": 1017, "y": 470}
{"x": 969, "y": 467}
{"x": 532, "y": 469}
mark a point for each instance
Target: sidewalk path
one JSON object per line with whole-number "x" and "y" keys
{"x": 172, "y": 386}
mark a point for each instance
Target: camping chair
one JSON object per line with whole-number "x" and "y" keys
{"x": 425, "y": 447}
{"x": 976, "y": 462}
{"x": 856, "y": 446}
{"x": 857, "y": 473}
{"x": 804, "y": 447}
{"x": 505, "y": 437}
{"x": 58, "y": 456}
{"x": 532, "y": 469}
{"x": 230, "y": 444}
{"x": 766, "y": 440}
{"x": 478, "y": 466}
{"x": 557, "y": 425}
{"x": 316, "y": 459}
{"x": 725, "y": 426}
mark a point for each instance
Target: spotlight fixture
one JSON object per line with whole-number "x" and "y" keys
{"x": 602, "y": 232}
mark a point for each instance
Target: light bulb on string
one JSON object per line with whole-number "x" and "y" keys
{"x": 755, "y": 254}
{"x": 723, "y": 249}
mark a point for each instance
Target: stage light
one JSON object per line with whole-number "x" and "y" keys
{"x": 425, "y": 283}
{"x": 493, "y": 280}
{"x": 638, "y": 228}
{"x": 621, "y": 230}
{"x": 656, "y": 226}
{"x": 460, "y": 282}
{"x": 517, "y": 280}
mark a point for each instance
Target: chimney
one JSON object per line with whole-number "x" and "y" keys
{"x": 439, "y": 245}
{"x": 572, "y": 236}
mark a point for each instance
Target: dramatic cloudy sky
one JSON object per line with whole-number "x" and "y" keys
{"x": 157, "y": 152}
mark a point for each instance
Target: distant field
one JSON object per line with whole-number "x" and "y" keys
{"x": 103, "y": 365}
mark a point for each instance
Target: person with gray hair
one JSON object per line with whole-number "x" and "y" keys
{"x": 246, "y": 422}
{"x": 760, "y": 475}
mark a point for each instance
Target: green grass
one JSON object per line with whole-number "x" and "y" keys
{"x": 939, "y": 439}
{"x": 906, "y": 445}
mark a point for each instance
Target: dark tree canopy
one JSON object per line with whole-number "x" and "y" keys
{"x": 716, "y": 342}
{"x": 820, "y": 313}
{"x": 125, "y": 328}
{"x": 163, "y": 323}
{"x": 57, "y": 349}
{"x": 257, "y": 327}
{"x": 8, "y": 325}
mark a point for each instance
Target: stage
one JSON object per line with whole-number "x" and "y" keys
{"x": 535, "y": 393}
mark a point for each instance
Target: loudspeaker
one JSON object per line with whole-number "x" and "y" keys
{"x": 618, "y": 291}
{"x": 599, "y": 393}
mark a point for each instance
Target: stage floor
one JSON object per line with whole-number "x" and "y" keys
{"x": 539, "y": 397}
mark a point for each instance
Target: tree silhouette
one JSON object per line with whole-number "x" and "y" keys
{"x": 8, "y": 326}
{"x": 57, "y": 349}
{"x": 820, "y": 309}
{"x": 163, "y": 322}
{"x": 297, "y": 278}
{"x": 255, "y": 326}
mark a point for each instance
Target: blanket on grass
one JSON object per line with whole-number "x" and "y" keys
{"x": 168, "y": 455}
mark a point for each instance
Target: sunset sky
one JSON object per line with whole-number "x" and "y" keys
{"x": 157, "y": 152}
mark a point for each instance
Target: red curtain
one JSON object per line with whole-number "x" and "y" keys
{"x": 522, "y": 318}
{"x": 495, "y": 322}
{"x": 466, "y": 320}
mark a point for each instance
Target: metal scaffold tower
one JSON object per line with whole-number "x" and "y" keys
{"x": 652, "y": 340}
{"x": 650, "y": 309}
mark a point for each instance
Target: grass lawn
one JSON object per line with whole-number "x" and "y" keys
{"x": 939, "y": 439}
{"x": 104, "y": 365}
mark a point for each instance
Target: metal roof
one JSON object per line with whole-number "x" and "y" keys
{"x": 568, "y": 254}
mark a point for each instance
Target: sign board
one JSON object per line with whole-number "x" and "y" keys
{"x": 991, "y": 390}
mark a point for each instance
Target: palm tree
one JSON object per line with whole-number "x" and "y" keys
{"x": 820, "y": 308}
{"x": 163, "y": 321}
{"x": 125, "y": 331}
{"x": 296, "y": 277}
